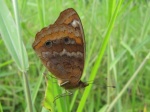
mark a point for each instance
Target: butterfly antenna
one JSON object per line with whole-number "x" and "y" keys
{"x": 102, "y": 86}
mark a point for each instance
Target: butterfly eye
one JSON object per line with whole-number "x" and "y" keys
{"x": 48, "y": 43}
{"x": 66, "y": 40}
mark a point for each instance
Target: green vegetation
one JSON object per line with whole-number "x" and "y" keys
{"x": 117, "y": 34}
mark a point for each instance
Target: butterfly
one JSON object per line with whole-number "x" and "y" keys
{"x": 61, "y": 48}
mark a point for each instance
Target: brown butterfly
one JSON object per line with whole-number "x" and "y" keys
{"x": 61, "y": 48}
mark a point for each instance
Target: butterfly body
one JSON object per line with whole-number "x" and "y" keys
{"x": 61, "y": 48}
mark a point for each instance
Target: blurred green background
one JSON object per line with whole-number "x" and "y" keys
{"x": 117, "y": 34}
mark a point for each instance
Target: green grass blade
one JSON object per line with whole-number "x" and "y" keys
{"x": 129, "y": 82}
{"x": 128, "y": 49}
{"x": 12, "y": 39}
{"x": 100, "y": 55}
{"x": 1, "y": 109}
{"x": 41, "y": 12}
{"x": 11, "y": 35}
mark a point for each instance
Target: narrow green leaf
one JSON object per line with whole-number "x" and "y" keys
{"x": 128, "y": 49}
{"x": 98, "y": 61}
{"x": 9, "y": 32}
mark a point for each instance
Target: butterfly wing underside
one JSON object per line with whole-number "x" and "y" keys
{"x": 61, "y": 47}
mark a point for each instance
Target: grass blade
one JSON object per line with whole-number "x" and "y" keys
{"x": 128, "y": 83}
{"x": 12, "y": 39}
{"x": 11, "y": 35}
{"x": 100, "y": 55}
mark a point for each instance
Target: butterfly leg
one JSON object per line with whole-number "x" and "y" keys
{"x": 67, "y": 93}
